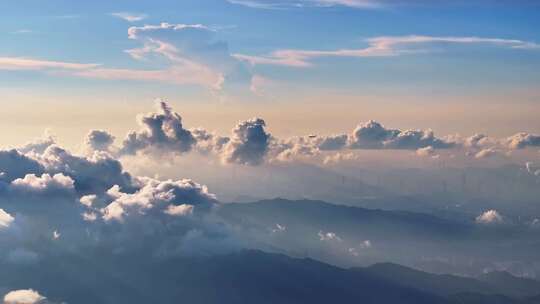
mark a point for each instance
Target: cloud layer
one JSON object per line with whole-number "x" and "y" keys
{"x": 163, "y": 133}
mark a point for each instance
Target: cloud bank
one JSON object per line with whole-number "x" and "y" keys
{"x": 163, "y": 133}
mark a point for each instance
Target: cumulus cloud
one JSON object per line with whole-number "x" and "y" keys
{"x": 476, "y": 141}
{"x": 373, "y": 135}
{"x": 171, "y": 197}
{"x": 486, "y": 153}
{"x": 248, "y": 144}
{"x": 14, "y": 165}
{"x": 160, "y": 130}
{"x": 328, "y": 236}
{"x": 179, "y": 210}
{"x": 425, "y": 152}
{"x": 99, "y": 140}
{"x": 5, "y": 219}
{"x": 523, "y": 140}
{"x": 95, "y": 173}
{"x": 90, "y": 201}
{"x": 293, "y": 148}
{"x": 331, "y": 143}
{"x": 32, "y": 183}
{"x": 39, "y": 145}
{"x": 23, "y": 296}
{"x": 489, "y": 217}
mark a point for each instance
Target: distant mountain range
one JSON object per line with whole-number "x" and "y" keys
{"x": 416, "y": 239}
{"x": 344, "y": 219}
{"x": 246, "y": 277}
{"x": 492, "y": 283}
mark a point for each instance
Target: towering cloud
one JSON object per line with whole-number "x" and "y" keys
{"x": 249, "y": 143}
{"x": 162, "y": 130}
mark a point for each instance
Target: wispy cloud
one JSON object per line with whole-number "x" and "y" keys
{"x": 20, "y": 63}
{"x": 285, "y": 4}
{"x": 383, "y": 46}
{"x": 370, "y": 4}
{"x": 129, "y": 17}
{"x": 181, "y": 68}
{"x": 22, "y": 31}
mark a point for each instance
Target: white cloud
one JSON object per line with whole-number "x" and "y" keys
{"x": 20, "y": 63}
{"x": 156, "y": 195}
{"x": 88, "y": 200}
{"x": 284, "y": 4}
{"x": 249, "y": 143}
{"x": 523, "y": 140}
{"x": 130, "y": 17}
{"x": 373, "y": 135}
{"x": 185, "y": 67}
{"x": 489, "y": 217}
{"x": 328, "y": 236}
{"x": 279, "y": 228}
{"x": 56, "y": 235}
{"x": 425, "y": 152}
{"x": 23, "y": 296}
{"x": 486, "y": 153}
{"x": 365, "y": 244}
{"x": 383, "y": 46}
{"x": 22, "y": 31}
{"x": 99, "y": 140}
{"x": 162, "y": 130}
{"x": 5, "y": 219}
{"x": 33, "y": 183}
{"x": 179, "y": 210}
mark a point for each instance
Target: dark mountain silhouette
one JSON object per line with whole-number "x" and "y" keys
{"x": 493, "y": 283}
{"x": 305, "y": 214}
{"x": 512, "y": 286}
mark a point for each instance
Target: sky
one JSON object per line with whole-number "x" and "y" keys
{"x": 305, "y": 66}
{"x": 144, "y": 135}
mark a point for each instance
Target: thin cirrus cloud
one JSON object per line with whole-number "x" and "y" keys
{"x": 129, "y": 17}
{"x": 383, "y": 46}
{"x": 21, "y": 63}
{"x": 193, "y": 56}
{"x": 285, "y": 4}
{"x": 159, "y": 42}
{"x": 366, "y": 4}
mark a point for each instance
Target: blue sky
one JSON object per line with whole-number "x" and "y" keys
{"x": 283, "y": 51}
